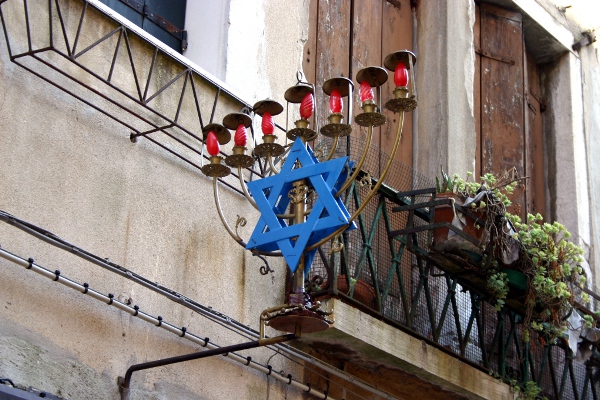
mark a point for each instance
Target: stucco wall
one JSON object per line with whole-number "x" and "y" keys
{"x": 590, "y": 62}
{"x": 73, "y": 171}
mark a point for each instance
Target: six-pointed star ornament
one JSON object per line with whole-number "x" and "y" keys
{"x": 271, "y": 195}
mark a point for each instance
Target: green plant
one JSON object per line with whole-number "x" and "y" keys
{"x": 552, "y": 265}
{"x": 531, "y": 391}
{"x": 497, "y": 284}
{"x": 549, "y": 261}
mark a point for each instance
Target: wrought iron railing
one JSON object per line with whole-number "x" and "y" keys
{"x": 387, "y": 268}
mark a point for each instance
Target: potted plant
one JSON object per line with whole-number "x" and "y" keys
{"x": 470, "y": 207}
{"x": 531, "y": 259}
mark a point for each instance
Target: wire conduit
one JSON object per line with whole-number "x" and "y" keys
{"x": 176, "y": 297}
{"x": 157, "y": 321}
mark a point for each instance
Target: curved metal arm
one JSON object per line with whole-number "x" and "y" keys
{"x": 233, "y": 234}
{"x": 371, "y": 193}
{"x": 360, "y": 164}
{"x": 271, "y": 165}
{"x": 241, "y": 221}
{"x": 245, "y": 189}
{"x": 333, "y": 148}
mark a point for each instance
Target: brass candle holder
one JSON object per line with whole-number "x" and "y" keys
{"x": 336, "y": 128}
{"x": 375, "y": 77}
{"x": 296, "y": 95}
{"x": 215, "y": 169}
{"x": 269, "y": 147}
{"x": 239, "y": 158}
{"x": 404, "y": 99}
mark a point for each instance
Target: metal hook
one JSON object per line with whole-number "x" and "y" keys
{"x": 300, "y": 77}
{"x": 265, "y": 269}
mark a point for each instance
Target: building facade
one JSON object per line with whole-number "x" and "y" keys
{"x": 103, "y": 195}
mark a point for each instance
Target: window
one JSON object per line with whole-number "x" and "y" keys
{"x": 162, "y": 19}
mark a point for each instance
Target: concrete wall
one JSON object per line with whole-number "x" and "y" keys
{"x": 73, "y": 171}
{"x": 445, "y": 69}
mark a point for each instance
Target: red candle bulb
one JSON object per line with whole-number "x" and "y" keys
{"x": 307, "y": 106}
{"x": 366, "y": 92}
{"x": 268, "y": 127}
{"x": 401, "y": 74}
{"x": 212, "y": 144}
{"x": 335, "y": 101}
{"x": 241, "y": 137}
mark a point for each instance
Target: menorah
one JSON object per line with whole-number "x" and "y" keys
{"x": 301, "y": 199}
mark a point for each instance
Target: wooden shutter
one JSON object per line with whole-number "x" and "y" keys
{"x": 535, "y": 150}
{"x": 347, "y": 35}
{"x": 508, "y": 106}
{"x": 500, "y": 95}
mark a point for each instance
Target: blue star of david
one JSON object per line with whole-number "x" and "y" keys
{"x": 271, "y": 196}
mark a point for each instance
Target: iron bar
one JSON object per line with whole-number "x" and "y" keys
{"x": 114, "y": 60}
{"x": 136, "y": 135}
{"x": 79, "y": 27}
{"x": 203, "y": 354}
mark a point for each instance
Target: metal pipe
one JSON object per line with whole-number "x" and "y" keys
{"x": 178, "y": 298}
{"x": 158, "y": 321}
{"x": 198, "y": 355}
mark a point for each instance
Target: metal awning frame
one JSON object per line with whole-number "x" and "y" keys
{"x": 176, "y": 137}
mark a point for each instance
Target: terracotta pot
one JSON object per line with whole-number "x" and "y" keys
{"x": 442, "y": 239}
{"x": 363, "y": 291}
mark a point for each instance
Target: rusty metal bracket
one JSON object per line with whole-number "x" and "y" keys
{"x": 124, "y": 383}
{"x": 494, "y": 56}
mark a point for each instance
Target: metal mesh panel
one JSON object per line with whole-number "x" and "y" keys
{"x": 393, "y": 275}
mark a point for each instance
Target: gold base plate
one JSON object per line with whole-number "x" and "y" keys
{"x": 370, "y": 119}
{"x": 333, "y": 130}
{"x": 269, "y": 149}
{"x": 239, "y": 160}
{"x": 216, "y": 170}
{"x": 397, "y": 105}
{"x": 309, "y": 321}
{"x": 305, "y": 133}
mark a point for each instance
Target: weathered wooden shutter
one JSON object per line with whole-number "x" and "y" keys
{"x": 535, "y": 167}
{"x": 509, "y": 131}
{"x": 164, "y": 20}
{"x": 347, "y": 35}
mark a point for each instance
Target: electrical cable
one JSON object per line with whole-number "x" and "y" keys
{"x": 158, "y": 321}
{"x": 209, "y": 313}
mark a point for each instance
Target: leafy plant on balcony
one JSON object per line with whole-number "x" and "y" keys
{"x": 539, "y": 250}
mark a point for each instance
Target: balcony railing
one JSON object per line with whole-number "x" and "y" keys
{"x": 387, "y": 268}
